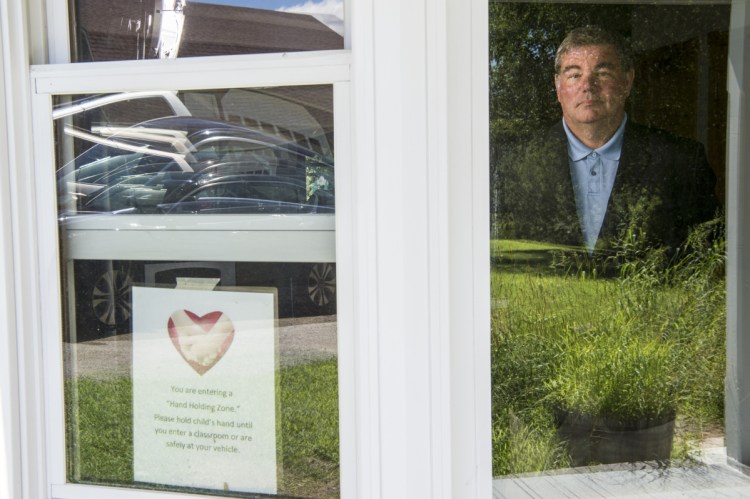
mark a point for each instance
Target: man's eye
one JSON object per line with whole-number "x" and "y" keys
{"x": 573, "y": 76}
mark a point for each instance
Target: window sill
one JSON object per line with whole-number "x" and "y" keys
{"x": 710, "y": 476}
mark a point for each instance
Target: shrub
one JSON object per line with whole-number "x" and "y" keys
{"x": 618, "y": 375}
{"x": 644, "y": 344}
{"x": 525, "y": 445}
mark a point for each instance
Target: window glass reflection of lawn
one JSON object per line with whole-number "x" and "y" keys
{"x": 523, "y": 256}
{"x": 632, "y": 351}
{"x": 100, "y": 431}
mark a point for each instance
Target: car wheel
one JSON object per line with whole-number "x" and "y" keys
{"x": 321, "y": 284}
{"x": 110, "y": 297}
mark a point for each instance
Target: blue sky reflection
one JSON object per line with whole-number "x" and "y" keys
{"x": 332, "y": 7}
{"x": 329, "y": 12}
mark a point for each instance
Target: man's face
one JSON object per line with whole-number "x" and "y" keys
{"x": 592, "y": 86}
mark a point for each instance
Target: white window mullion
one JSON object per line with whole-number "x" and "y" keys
{"x": 258, "y": 70}
{"x": 737, "y": 402}
{"x": 57, "y": 32}
{"x": 49, "y": 286}
{"x": 10, "y": 441}
{"x": 349, "y": 364}
{"x": 21, "y": 41}
{"x": 468, "y": 199}
{"x": 364, "y": 239}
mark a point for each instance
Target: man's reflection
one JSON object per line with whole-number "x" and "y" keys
{"x": 596, "y": 171}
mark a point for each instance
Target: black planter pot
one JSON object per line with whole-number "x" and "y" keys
{"x": 598, "y": 440}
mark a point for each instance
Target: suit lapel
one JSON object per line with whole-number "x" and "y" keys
{"x": 635, "y": 159}
{"x": 564, "y": 194}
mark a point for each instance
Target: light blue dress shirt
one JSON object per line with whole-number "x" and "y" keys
{"x": 593, "y": 172}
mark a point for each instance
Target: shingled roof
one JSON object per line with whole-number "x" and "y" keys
{"x": 223, "y": 30}
{"x": 109, "y": 30}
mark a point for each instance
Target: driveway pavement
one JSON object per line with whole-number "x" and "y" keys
{"x": 301, "y": 340}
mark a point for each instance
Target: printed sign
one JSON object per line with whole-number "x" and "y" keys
{"x": 204, "y": 397}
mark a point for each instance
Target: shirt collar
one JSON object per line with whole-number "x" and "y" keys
{"x": 577, "y": 150}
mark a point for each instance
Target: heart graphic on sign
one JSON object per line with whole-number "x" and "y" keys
{"x": 202, "y": 341}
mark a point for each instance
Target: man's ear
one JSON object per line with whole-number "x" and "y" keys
{"x": 629, "y": 77}
{"x": 557, "y": 86}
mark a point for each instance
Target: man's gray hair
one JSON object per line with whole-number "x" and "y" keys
{"x": 594, "y": 35}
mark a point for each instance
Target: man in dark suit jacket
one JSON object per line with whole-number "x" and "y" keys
{"x": 602, "y": 172}
{"x": 663, "y": 186}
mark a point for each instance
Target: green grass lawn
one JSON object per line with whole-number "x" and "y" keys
{"x": 100, "y": 430}
{"x": 648, "y": 338}
{"x": 519, "y": 256}
{"x": 623, "y": 345}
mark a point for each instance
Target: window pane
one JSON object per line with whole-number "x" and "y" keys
{"x": 234, "y": 151}
{"x": 199, "y": 290}
{"x": 608, "y": 319}
{"x": 109, "y": 30}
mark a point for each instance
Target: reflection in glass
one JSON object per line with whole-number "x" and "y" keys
{"x": 254, "y": 152}
{"x": 103, "y": 303}
{"x": 113, "y": 30}
{"x": 608, "y": 329}
{"x": 99, "y": 364}
{"x": 156, "y": 163}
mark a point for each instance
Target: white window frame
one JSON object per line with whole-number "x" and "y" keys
{"x": 40, "y": 414}
{"x": 737, "y": 400}
{"x": 221, "y": 72}
{"x": 413, "y": 247}
{"x": 415, "y": 244}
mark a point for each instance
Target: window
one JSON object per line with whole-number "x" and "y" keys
{"x": 168, "y": 29}
{"x": 421, "y": 372}
{"x": 226, "y": 196}
{"x": 608, "y": 239}
{"x": 256, "y": 406}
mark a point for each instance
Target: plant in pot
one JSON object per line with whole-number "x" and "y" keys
{"x": 615, "y": 395}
